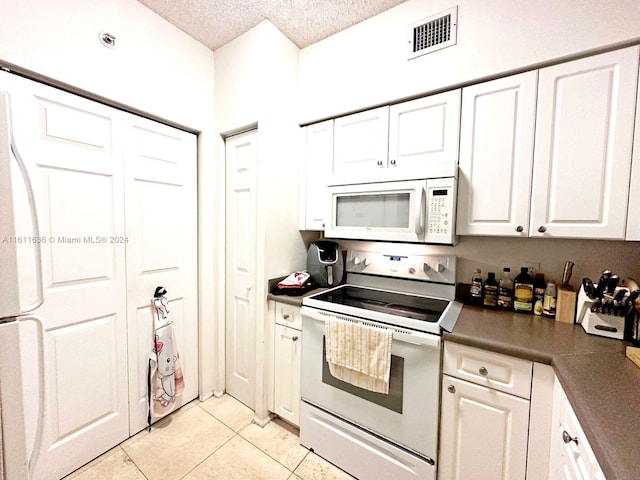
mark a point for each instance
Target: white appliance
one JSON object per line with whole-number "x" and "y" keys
{"x": 374, "y": 435}
{"x": 417, "y": 211}
{"x": 20, "y": 293}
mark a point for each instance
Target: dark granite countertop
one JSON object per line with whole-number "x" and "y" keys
{"x": 602, "y": 385}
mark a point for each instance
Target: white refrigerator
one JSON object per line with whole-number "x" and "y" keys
{"x": 21, "y": 293}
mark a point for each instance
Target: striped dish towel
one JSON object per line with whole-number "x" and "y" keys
{"x": 359, "y": 354}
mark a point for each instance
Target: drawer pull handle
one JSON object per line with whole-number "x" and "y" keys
{"x": 285, "y": 316}
{"x": 483, "y": 371}
{"x": 451, "y": 389}
{"x": 566, "y": 438}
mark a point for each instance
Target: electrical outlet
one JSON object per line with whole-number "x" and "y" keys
{"x": 532, "y": 267}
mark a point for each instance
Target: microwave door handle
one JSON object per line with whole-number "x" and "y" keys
{"x": 422, "y": 209}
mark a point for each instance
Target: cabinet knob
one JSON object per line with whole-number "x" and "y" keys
{"x": 519, "y": 229}
{"x": 566, "y": 438}
{"x": 295, "y": 338}
{"x": 483, "y": 371}
{"x": 379, "y": 163}
{"x": 542, "y": 229}
{"x": 451, "y": 389}
{"x": 393, "y": 162}
{"x": 285, "y": 316}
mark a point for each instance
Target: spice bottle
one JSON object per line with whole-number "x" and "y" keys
{"x": 505, "y": 289}
{"x": 523, "y": 292}
{"x": 490, "y": 295}
{"x": 550, "y": 297}
{"x": 538, "y": 293}
{"x": 475, "y": 291}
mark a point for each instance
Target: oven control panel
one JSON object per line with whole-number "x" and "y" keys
{"x": 431, "y": 268}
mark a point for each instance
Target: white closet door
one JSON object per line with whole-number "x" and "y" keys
{"x": 74, "y": 157}
{"x": 241, "y": 163}
{"x": 161, "y": 247}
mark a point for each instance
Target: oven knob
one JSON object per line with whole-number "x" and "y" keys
{"x": 426, "y": 267}
{"x": 412, "y": 270}
{"x": 366, "y": 262}
{"x": 356, "y": 260}
{"x": 440, "y": 268}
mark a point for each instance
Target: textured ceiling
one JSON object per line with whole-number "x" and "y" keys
{"x": 216, "y": 22}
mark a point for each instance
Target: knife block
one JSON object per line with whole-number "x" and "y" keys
{"x": 598, "y": 323}
{"x": 566, "y": 304}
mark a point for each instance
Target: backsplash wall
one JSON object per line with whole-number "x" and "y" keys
{"x": 492, "y": 254}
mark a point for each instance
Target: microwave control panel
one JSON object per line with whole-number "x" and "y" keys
{"x": 439, "y": 209}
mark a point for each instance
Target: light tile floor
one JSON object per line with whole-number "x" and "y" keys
{"x": 211, "y": 439}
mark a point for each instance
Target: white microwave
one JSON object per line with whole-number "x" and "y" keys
{"x": 417, "y": 211}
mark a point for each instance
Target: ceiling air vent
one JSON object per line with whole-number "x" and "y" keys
{"x": 433, "y": 33}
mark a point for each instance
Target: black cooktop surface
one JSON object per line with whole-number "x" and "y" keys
{"x": 410, "y": 306}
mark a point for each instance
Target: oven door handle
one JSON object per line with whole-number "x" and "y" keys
{"x": 421, "y": 339}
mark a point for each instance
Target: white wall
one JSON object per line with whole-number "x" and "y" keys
{"x": 154, "y": 69}
{"x": 255, "y": 83}
{"x": 367, "y": 64}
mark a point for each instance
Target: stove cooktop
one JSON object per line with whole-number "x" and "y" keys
{"x": 425, "y": 309}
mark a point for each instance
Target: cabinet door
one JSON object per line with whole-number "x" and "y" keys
{"x": 483, "y": 433}
{"x": 633, "y": 225}
{"x": 571, "y": 455}
{"x": 360, "y": 148}
{"x": 584, "y": 136}
{"x": 423, "y": 137}
{"x": 287, "y": 355}
{"x": 496, "y": 156}
{"x": 314, "y": 198}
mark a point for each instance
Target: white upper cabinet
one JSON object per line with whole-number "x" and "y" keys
{"x": 496, "y": 155}
{"x": 423, "y": 136}
{"x": 406, "y": 141}
{"x": 315, "y": 175}
{"x": 633, "y": 216}
{"x": 552, "y": 164}
{"x": 360, "y": 145}
{"x": 584, "y": 136}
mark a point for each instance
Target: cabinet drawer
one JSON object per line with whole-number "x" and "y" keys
{"x": 493, "y": 370}
{"x": 288, "y": 315}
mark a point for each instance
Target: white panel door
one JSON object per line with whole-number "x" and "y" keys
{"x": 424, "y": 137}
{"x": 584, "y": 136}
{"x": 360, "y": 146}
{"x": 161, "y": 248}
{"x": 74, "y": 157}
{"x": 240, "y": 304}
{"x": 496, "y": 156}
{"x": 483, "y": 433}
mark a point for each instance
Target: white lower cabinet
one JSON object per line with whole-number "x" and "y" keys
{"x": 286, "y": 363}
{"x": 483, "y": 430}
{"x": 571, "y": 454}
